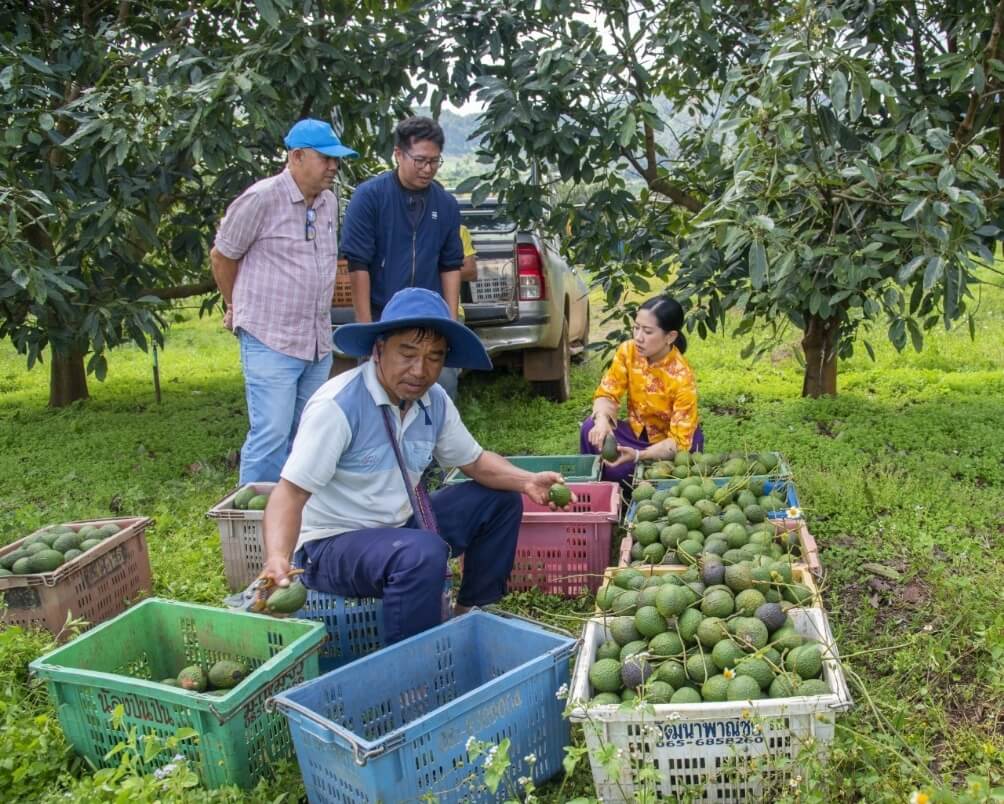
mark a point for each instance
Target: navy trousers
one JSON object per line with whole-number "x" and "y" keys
{"x": 407, "y": 566}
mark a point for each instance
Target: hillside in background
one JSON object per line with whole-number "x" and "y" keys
{"x": 457, "y": 128}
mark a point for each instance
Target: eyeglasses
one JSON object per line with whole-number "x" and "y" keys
{"x": 310, "y": 231}
{"x": 423, "y": 162}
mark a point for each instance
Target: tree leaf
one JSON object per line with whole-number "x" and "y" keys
{"x": 913, "y": 209}
{"x": 838, "y": 91}
{"x": 946, "y": 178}
{"x": 916, "y": 336}
{"x": 268, "y": 12}
{"x": 934, "y": 271}
{"x": 37, "y": 64}
{"x": 904, "y": 274}
{"x": 627, "y": 130}
{"x": 757, "y": 264}
{"x": 866, "y": 172}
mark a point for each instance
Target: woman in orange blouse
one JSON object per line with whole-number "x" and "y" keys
{"x": 661, "y": 394}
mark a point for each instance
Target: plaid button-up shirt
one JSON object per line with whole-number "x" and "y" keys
{"x": 284, "y": 286}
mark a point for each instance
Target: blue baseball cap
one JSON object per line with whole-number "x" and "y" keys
{"x": 416, "y": 307}
{"x": 318, "y": 135}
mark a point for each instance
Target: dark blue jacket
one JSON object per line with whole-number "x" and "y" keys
{"x": 376, "y": 232}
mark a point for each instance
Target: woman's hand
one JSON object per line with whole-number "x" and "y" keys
{"x": 627, "y": 455}
{"x": 602, "y": 427}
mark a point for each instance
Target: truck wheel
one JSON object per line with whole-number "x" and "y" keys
{"x": 560, "y": 388}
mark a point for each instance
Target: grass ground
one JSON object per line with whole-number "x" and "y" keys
{"x": 903, "y": 468}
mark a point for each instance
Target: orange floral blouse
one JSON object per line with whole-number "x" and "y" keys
{"x": 661, "y": 396}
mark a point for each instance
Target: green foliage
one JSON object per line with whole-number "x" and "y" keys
{"x": 846, "y": 202}
{"x": 33, "y": 751}
{"x": 131, "y": 129}
{"x": 807, "y": 164}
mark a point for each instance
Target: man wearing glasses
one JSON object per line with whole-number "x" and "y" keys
{"x": 274, "y": 261}
{"x": 402, "y": 229}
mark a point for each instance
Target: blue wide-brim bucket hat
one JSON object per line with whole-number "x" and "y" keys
{"x": 416, "y": 308}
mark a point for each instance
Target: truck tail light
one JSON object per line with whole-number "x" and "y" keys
{"x": 530, "y": 269}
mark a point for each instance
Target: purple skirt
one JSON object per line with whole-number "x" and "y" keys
{"x": 626, "y": 438}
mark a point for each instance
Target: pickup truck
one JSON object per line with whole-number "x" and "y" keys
{"x": 528, "y": 306}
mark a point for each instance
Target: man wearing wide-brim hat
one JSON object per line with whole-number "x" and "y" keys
{"x": 350, "y": 505}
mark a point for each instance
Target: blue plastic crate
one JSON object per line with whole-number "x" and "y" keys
{"x": 791, "y": 496}
{"x": 354, "y": 626}
{"x": 394, "y": 725}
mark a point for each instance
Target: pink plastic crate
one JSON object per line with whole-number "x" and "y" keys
{"x": 566, "y": 552}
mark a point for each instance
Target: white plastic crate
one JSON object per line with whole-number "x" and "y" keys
{"x": 242, "y": 538}
{"x": 491, "y": 289}
{"x": 710, "y": 752}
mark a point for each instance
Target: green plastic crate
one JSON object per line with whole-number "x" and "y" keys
{"x": 574, "y": 468}
{"x": 121, "y": 662}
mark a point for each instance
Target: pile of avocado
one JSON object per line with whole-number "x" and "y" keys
{"x": 713, "y": 464}
{"x": 696, "y": 517}
{"x": 222, "y": 676}
{"x": 50, "y": 548}
{"x": 247, "y": 499}
{"x": 676, "y": 639}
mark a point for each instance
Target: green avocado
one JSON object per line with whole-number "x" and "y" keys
{"x": 560, "y": 495}
{"x": 287, "y": 599}
{"x": 46, "y": 561}
{"x": 225, "y": 674}
{"x": 243, "y": 497}
{"x": 258, "y": 502}
{"x": 193, "y": 678}
{"x": 610, "y": 451}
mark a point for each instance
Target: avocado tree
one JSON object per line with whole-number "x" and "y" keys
{"x": 830, "y": 167}
{"x": 128, "y": 129}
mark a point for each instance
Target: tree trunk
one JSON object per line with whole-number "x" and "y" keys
{"x": 819, "y": 344}
{"x": 67, "y": 379}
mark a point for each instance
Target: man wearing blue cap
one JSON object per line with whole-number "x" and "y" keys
{"x": 350, "y": 508}
{"x": 274, "y": 261}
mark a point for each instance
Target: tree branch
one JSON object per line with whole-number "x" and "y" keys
{"x": 180, "y": 291}
{"x": 676, "y": 195}
{"x": 919, "y": 66}
{"x": 965, "y": 129}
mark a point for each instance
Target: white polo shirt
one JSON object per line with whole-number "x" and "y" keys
{"x": 343, "y": 456}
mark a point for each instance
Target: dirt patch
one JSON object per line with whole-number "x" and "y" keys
{"x": 824, "y": 429}
{"x": 734, "y": 411}
{"x": 895, "y": 601}
{"x": 782, "y": 353}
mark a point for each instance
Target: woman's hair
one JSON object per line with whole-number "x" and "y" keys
{"x": 669, "y": 316}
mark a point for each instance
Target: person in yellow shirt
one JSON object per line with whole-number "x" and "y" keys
{"x": 652, "y": 372}
{"x": 469, "y": 270}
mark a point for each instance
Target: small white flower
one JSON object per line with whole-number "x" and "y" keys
{"x": 470, "y": 742}
{"x": 794, "y": 512}
{"x": 530, "y": 759}
{"x": 523, "y": 781}
{"x": 165, "y": 771}
{"x": 562, "y": 692}
{"x": 178, "y": 758}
